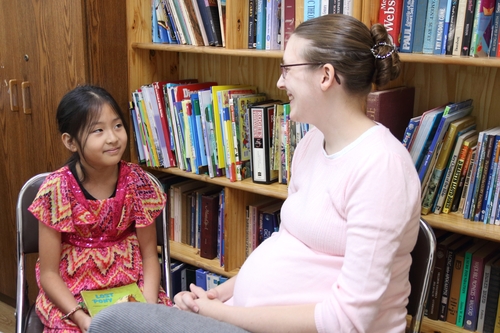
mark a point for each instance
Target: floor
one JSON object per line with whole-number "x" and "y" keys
{"x": 7, "y": 319}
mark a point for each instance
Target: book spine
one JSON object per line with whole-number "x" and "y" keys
{"x": 446, "y": 29}
{"x": 459, "y": 28}
{"x": 252, "y": 20}
{"x": 407, "y": 26}
{"x": 474, "y": 294}
{"x": 259, "y": 144}
{"x": 491, "y": 183}
{"x": 261, "y": 25}
{"x": 468, "y": 24}
{"x": 430, "y": 27}
{"x": 441, "y": 16}
{"x": 288, "y": 20}
{"x": 443, "y": 307}
{"x": 494, "y": 33}
{"x": 482, "y": 178}
{"x": 456, "y": 282}
{"x": 312, "y": 9}
{"x": 491, "y": 309}
{"x": 455, "y": 179}
{"x": 463, "y": 289}
{"x": 210, "y": 208}
{"x": 461, "y": 182}
{"x": 390, "y": 17}
{"x": 484, "y": 297}
{"x": 434, "y": 299}
{"x": 452, "y": 27}
{"x": 272, "y": 25}
{"x": 420, "y": 17}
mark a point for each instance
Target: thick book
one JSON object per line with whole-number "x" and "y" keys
{"x": 261, "y": 129}
{"x": 209, "y": 222}
{"x": 420, "y": 17}
{"x": 453, "y": 248}
{"x": 479, "y": 259}
{"x": 389, "y": 16}
{"x": 393, "y": 108}
{"x": 464, "y": 287}
{"x": 201, "y": 278}
{"x": 434, "y": 298}
{"x": 97, "y": 300}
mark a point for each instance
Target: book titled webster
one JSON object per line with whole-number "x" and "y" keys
{"x": 97, "y": 300}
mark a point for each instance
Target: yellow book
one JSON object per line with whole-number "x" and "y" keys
{"x": 151, "y": 142}
{"x": 97, "y": 300}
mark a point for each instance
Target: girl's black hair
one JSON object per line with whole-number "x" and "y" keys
{"x": 76, "y": 112}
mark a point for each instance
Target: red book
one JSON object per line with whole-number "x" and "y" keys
{"x": 158, "y": 88}
{"x": 184, "y": 91}
{"x": 390, "y": 16}
{"x": 393, "y": 108}
{"x": 288, "y": 7}
{"x": 209, "y": 223}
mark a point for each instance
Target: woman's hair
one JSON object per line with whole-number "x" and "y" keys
{"x": 359, "y": 55}
{"x": 78, "y": 110}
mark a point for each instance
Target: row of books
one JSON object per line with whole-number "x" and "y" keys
{"x": 451, "y": 27}
{"x": 213, "y": 129}
{"x": 466, "y": 283}
{"x": 183, "y": 275}
{"x": 457, "y": 164}
{"x": 189, "y": 22}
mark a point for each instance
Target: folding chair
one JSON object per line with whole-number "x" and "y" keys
{"x": 423, "y": 261}
{"x": 27, "y": 320}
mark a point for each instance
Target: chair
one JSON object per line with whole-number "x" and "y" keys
{"x": 27, "y": 320}
{"x": 423, "y": 260}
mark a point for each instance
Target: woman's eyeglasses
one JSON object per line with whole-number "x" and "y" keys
{"x": 284, "y": 69}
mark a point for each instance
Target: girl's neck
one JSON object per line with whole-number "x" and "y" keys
{"x": 100, "y": 183}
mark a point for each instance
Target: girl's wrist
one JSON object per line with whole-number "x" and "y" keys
{"x": 78, "y": 307}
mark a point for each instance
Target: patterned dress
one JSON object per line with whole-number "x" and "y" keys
{"x": 100, "y": 248}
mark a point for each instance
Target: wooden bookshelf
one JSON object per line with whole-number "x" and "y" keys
{"x": 437, "y": 79}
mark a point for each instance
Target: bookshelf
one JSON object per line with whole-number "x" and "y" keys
{"x": 437, "y": 79}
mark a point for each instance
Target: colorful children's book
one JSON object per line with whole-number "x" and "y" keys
{"x": 97, "y": 300}
{"x": 482, "y": 28}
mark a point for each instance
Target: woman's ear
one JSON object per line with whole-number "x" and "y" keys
{"x": 328, "y": 78}
{"x": 69, "y": 142}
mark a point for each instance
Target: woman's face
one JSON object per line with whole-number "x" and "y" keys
{"x": 298, "y": 81}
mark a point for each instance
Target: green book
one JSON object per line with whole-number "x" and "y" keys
{"x": 464, "y": 287}
{"x": 97, "y": 300}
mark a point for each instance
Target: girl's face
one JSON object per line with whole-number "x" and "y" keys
{"x": 106, "y": 141}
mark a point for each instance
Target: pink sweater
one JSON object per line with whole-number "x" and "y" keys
{"x": 348, "y": 226}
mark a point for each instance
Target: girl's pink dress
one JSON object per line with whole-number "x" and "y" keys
{"x": 99, "y": 244}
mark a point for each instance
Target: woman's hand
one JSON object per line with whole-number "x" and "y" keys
{"x": 185, "y": 300}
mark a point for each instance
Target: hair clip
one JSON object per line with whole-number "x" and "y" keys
{"x": 378, "y": 56}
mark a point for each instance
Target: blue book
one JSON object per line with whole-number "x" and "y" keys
{"x": 441, "y": 15}
{"x": 201, "y": 278}
{"x": 312, "y": 9}
{"x": 176, "y": 276}
{"x": 491, "y": 183}
{"x": 260, "y": 34}
{"x": 494, "y": 32}
{"x": 195, "y": 102}
{"x": 154, "y": 23}
{"x": 420, "y": 16}
{"x": 446, "y": 27}
{"x": 430, "y": 27}
{"x": 410, "y": 131}
{"x": 408, "y": 25}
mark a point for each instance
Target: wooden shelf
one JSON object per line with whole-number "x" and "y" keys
{"x": 274, "y": 190}
{"x": 437, "y": 326}
{"x": 405, "y": 57}
{"x": 455, "y": 222}
{"x": 190, "y": 255}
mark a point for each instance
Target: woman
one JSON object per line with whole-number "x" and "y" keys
{"x": 341, "y": 258}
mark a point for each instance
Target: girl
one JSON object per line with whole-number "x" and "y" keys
{"x": 96, "y": 215}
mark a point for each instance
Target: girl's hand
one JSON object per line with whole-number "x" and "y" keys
{"x": 83, "y": 320}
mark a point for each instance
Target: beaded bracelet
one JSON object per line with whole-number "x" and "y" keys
{"x": 80, "y": 306}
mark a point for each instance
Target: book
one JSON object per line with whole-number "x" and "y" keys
{"x": 464, "y": 287}
{"x": 468, "y": 24}
{"x": 485, "y": 286}
{"x": 479, "y": 259}
{"x": 273, "y": 22}
{"x": 199, "y": 22}
{"x": 462, "y": 156}
{"x": 389, "y": 16}
{"x": 463, "y": 176}
{"x": 491, "y": 308}
{"x": 261, "y": 129}
{"x": 430, "y": 27}
{"x": 451, "y": 113}
{"x": 450, "y": 169}
{"x": 252, "y": 221}
{"x": 446, "y": 28}
{"x": 209, "y": 222}
{"x": 252, "y": 24}
{"x": 491, "y": 183}
{"x": 461, "y": 205}
{"x": 453, "y": 248}
{"x": 495, "y": 28}
{"x": 191, "y": 21}
{"x": 268, "y": 221}
{"x": 408, "y": 25}
{"x": 441, "y": 18}
{"x": 432, "y": 191}
{"x": 452, "y": 27}
{"x": 410, "y": 131}
{"x": 456, "y": 283}
{"x": 312, "y": 9}
{"x": 482, "y": 28}
{"x": 201, "y": 278}
{"x": 495, "y": 189}
{"x": 209, "y": 12}
{"x": 162, "y": 110}
{"x": 420, "y": 17}
{"x": 180, "y": 24}
{"x": 179, "y": 205}
{"x": 222, "y": 20}
{"x": 393, "y": 108}
{"x": 260, "y": 33}
{"x": 459, "y": 27}
{"x": 288, "y": 20}
{"x": 436, "y": 287}
{"x": 98, "y": 300}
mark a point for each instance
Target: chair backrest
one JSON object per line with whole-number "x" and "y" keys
{"x": 27, "y": 242}
{"x": 423, "y": 261}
